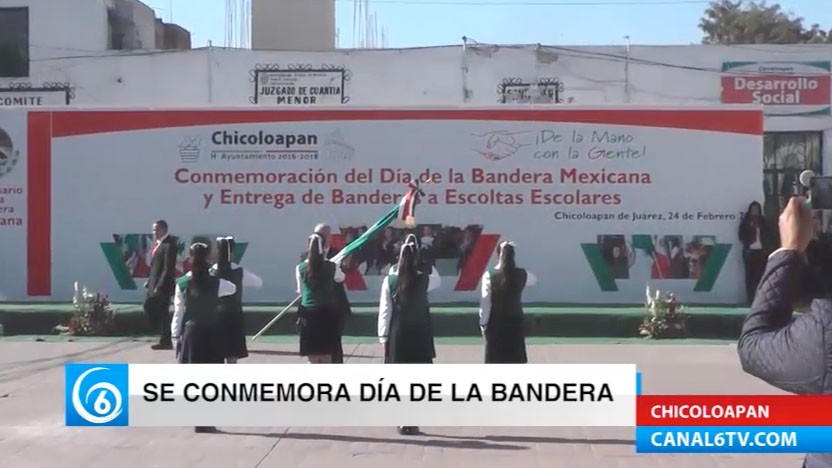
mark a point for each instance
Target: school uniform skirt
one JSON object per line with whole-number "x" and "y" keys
{"x": 505, "y": 342}
{"x": 234, "y": 331}
{"x": 318, "y": 330}
{"x": 202, "y": 344}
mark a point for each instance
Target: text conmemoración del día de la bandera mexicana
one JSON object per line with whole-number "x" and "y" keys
{"x": 396, "y": 176}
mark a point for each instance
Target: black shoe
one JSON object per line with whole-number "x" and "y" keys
{"x": 205, "y": 429}
{"x": 161, "y": 346}
{"x": 408, "y": 430}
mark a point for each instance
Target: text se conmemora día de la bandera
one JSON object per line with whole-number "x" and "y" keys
{"x": 374, "y": 392}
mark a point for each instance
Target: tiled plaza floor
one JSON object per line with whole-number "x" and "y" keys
{"x": 33, "y": 435}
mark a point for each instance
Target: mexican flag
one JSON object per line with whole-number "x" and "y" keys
{"x": 403, "y": 214}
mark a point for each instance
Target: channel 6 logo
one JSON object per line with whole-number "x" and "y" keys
{"x": 96, "y": 394}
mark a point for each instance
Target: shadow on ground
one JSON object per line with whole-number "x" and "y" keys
{"x": 441, "y": 441}
{"x": 272, "y": 352}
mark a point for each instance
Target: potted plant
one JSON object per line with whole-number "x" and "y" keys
{"x": 665, "y": 316}
{"x": 93, "y": 314}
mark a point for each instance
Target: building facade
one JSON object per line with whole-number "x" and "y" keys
{"x": 35, "y": 31}
{"x": 793, "y": 81}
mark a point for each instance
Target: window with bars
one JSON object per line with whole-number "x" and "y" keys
{"x": 785, "y": 156}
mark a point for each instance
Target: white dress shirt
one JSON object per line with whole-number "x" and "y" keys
{"x": 385, "y": 302}
{"x": 250, "y": 280}
{"x": 485, "y": 295}
{"x": 227, "y": 288}
{"x": 756, "y": 245}
{"x": 158, "y": 243}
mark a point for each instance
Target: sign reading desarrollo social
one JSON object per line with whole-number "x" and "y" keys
{"x": 366, "y": 395}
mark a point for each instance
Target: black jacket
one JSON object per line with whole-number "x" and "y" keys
{"x": 746, "y": 235}
{"x": 793, "y": 355}
{"x": 162, "y": 277}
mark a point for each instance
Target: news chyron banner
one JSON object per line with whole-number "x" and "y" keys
{"x": 734, "y": 424}
{"x": 252, "y": 395}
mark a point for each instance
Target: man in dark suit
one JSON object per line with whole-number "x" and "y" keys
{"x": 344, "y": 308}
{"x": 790, "y": 354}
{"x": 161, "y": 283}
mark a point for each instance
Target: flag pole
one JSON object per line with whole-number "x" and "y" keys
{"x": 414, "y": 186}
{"x": 276, "y": 318}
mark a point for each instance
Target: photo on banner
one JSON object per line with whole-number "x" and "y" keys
{"x": 445, "y": 247}
{"x": 663, "y": 257}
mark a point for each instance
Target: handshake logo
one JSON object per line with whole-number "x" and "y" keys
{"x": 96, "y": 394}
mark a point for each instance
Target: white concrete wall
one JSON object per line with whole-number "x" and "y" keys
{"x": 61, "y": 28}
{"x": 443, "y": 76}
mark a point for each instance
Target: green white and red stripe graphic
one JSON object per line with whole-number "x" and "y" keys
{"x": 469, "y": 276}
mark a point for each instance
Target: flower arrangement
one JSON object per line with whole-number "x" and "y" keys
{"x": 665, "y": 316}
{"x": 93, "y": 314}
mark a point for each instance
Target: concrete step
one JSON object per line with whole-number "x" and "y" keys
{"x": 457, "y": 321}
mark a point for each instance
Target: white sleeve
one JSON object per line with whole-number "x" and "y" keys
{"x": 485, "y": 300}
{"x": 531, "y": 279}
{"x": 339, "y": 273}
{"x": 298, "y": 280}
{"x": 250, "y": 280}
{"x": 178, "y": 313}
{"x": 434, "y": 281}
{"x": 385, "y": 306}
{"x": 227, "y": 288}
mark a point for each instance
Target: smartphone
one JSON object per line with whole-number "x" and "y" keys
{"x": 820, "y": 190}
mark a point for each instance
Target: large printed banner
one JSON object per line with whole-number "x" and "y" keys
{"x": 600, "y": 202}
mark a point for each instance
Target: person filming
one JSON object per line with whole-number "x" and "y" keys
{"x": 792, "y": 354}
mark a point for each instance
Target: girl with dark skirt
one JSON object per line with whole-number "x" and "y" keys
{"x": 501, "y": 309}
{"x": 404, "y": 324}
{"x": 757, "y": 238}
{"x": 424, "y": 266}
{"x": 318, "y": 318}
{"x": 196, "y": 324}
{"x": 231, "y": 307}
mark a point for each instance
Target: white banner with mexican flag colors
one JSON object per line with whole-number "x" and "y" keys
{"x": 599, "y": 201}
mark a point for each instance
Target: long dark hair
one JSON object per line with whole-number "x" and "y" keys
{"x": 751, "y": 206}
{"x": 200, "y": 275}
{"x": 225, "y": 252}
{"x": 508, "y": 265}
{"x": 407, "y": 271}
{"x": 315, "y": 272}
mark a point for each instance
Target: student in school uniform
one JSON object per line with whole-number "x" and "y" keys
{"x": 501, "y": 309}
{"x": 196, "y": 324}
{"x": 424, "y": 266}
{"x": 404, "y": 325}
{"x": 231, "y": 307}
{"x": 318, "y": 318}
{"x": 342, "y": 302}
